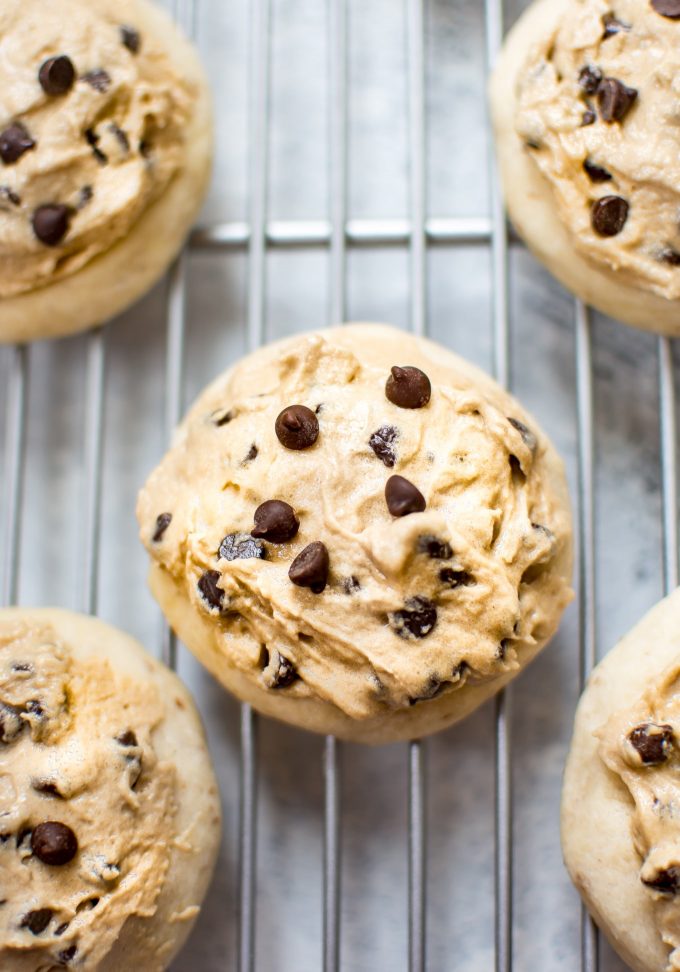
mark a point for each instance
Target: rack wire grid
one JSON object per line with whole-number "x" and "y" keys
{"x": 351, "y": 858}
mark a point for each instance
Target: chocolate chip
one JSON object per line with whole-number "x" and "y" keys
{"x": 589, "y": 78}
{"x": 22, "y": 667}
{"x": 35, "y": 708}
{"x": 433, "y": 688}
{"x": 351, "y": 585}
{"x": 56, "y": 75}
{"x": 666, "y": 880}
{"x": 310, "y": 567}
{"x": 222, "y": 417}
{"x": 127, "y": 738}
{"x": 54, "y": 843}
{"x": 282, "y": 672}
{"x": 86, "y": 194}
{"x": 98, "y": 79}
{"x": 589, "y": 118}
{"x": 403, "y": 497}
{"x": 120, "y": 137}
{"x": 275, "y": 521}
{"x": 416, "y": 619}
{"x": 93, "y": 140}
{"x": 209, "y": 591}
{"x": 163, "y": 521}
{"x": 502, "y": 650}
{"x": 615, "y": 100}
{"x": 667, "y": 8}
{"x": 408, "y": 387}
{"x": 528, "y": 437}
{"x": 653, "y": 743}
{"x": 51, "y": 223}
{"x": 14, "y": 141}
{"x": 670, "y": 256}
{"x": 131, "y": 38}
{"x": 612, "y": 25}
{"x": 241, "y": 546}
{"x": 11, "y": 723}
{"x": 252, "y": 453}
{"x": 608, "y": 215}
{"x": 595, "y": 172}
{"x": 297, "y": 427}
{"x": 47, "y": 788}
{"x": 67, "y": 955}
{"x": 381, "y": 442}
{"x": 434, "y": 547}
{"x": 60, "y": 929}
{"x": 22, "y": 836}
{"x": 455, "y": 578}
{"x": 10, "y": 195}
{"x": 37, "y": 921}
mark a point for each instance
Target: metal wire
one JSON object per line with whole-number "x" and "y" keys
{"x": 15, "y": 453}
{"x": 669, "y": 464}
{"x": 93, "y": 452}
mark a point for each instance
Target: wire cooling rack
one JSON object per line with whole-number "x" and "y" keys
{"x": 608, "y": 395}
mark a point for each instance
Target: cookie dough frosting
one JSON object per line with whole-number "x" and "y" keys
{"x": 358, "y": 529}
{"x": 92, "y": 114}
{"x": 597, "y": 110}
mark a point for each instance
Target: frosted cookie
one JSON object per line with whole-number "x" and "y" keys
{"x": 359, "y": 533}
{"x": 109, "y": 810}
{"x": 584, "y": 101}
{"x": 620, "y": 823}
{"x": 105, "y": 152}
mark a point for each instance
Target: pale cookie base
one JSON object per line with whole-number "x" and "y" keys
{"x": 199, "y": 631}
{"x": 530, "y": 202}
{"x": 597, "y": 807}
{"x": 151, "y": 943}
{"x": 121, "y": 275}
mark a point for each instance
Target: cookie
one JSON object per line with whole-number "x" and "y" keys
{"x": 620, "y": 831}
{"x": 105, "y": 153}
{"x": 584, "y": 109}
{"x": 359, "y": 533}
{"x": 109, "y": 809}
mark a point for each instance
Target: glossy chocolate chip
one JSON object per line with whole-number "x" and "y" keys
{"x": 653, "y": 743}
{"x": 667, "y": 8}
{"x": 408, "y": 387}
{"x": 612, "y": 25}
{"x": 666, "y": 880}
{"x": 163, "y": 521}
{"x": 131, "y": 38}
{"x": 54, "y": 843}
{"x": 608, "y": 215}
{"x": 127, "y": 738}
{"x": 615, "y": 100}
{"x": 37, "y": 921}
{"x": 98, "y": 79}
{"x": 241, "y": 546}
{"x": 416, "y": 619}
{"x": 310, "y": 567}
{"x": 275, "y": 521}
{"x": 435, "y": 548}
{"x": 403, "y": 497}
{"x": 14, "y": 141}
{"x": 209, "y": 591}
{"x": 670, "y": 256}
{"x": 297, "y": 427}
{"x": 595, "y": 172}
{"x": 589, "y": 78}
{"x": 455, "y": 578}
{"x": 51, "y": 223}
{"x": 382, "y": 443}
{"x": 528, "y": 437}
{"x": 56, "y": 75}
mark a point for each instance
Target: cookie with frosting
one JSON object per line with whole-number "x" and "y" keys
{"x": 360, "y": 533}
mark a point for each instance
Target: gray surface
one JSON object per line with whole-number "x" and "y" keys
{"x": 628, "y": 517}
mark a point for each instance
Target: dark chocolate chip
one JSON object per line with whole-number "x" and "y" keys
{"x": 51, "y": 223}
{"x": 403, "y": 497}
{"x": 14, "y": 141}
{"x": 434, "y": 547}
{"x": 54, "y": 843}
{"x": 416, "y": 619}
{"x": 209, "y": 591}
{"x": 351, "y": 585}
{"x": 589, "y": 118}
{"x": 35, "y": 708}
{"x": 241, "y": 546}
{"x": 284, "y": 673}
{"x": 297, "y": 427}
{"x": 275, "y": 521}
{"x": 60, "y": 929}
{"x": 120, "y": 137}
{"x": 99, "y": 79}
{"x": 528, "y": 437}
{"x": 319, "y": 409}
{"x": 163, "y": 521}
{"x": 222, "y": 417}
{"x": 47, "y": 788}
{"x": 252, "y": 453}
{"x": 532, "y": 144}
{"x": 408, "y": 387}
{"x": 86, "y": 194}
{"x": 10, "y": 195}
{"x": 22, "y": 667}
{"x": 670, "y": 256}
{"x": 455, "y": 578}
{"x": 93, "y": 140}
{"x": 11, "y": 723}
{"x": 589, "y": 78}
{"x": 612, "y": 25}
{"x": 667, "y": 8}
{"x": 595, "y": 172}
{"x": 67, "y": 955}
{"x": 666, "y": 880}
{"x": 608, "y": 215}
{"x": 431, "y": 690}
{"x": 382, "y": 444}
{"x": 130, "y": 38}
{"x": 615, "y": 100}
{"x": 502, "y": 650}
{"x": 310, "y": 567}
{"x": 56, "y": 75}
{"x": 127, "y": 738}
{"x": 653, "y": 743}
{"x": 37, "y": 921}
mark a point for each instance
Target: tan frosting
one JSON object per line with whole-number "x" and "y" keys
{"x": 642, "y": 153}
{"x": 492, "y": 511}
{"x": 655, "y": 791}
{"x": 146, "y": 101}
{"x": 59, "y": 718}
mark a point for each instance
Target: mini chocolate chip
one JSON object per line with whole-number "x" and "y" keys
{"x": 252, "y": 453}
{"x": 22, "y": 667}
{"x": 60, "y": 929}
{"x": 93, "y": 140}
{"x": 589, "y": 78}
{"x": 416, "y": 619}
{"x": 10, "y": 195}
{"x": 381, "y": 442}
{"x": 434, "y": 547}
{"x": 408, "y": 387}
{"x": 434, "y": 687}
{"x": 608, "y": 215}
{"x": 56, "y": 75}
{"x": 37, "y": 921}
{"x": 666, "y": 880}
{"x": 615, "y": 100}
{"x": 319, "y": 409}
{"x": 310, "y": 567}
{"x": 209, "y": 591}
{"x": 653, "y": 743}
{"x": 99, "y": 79}
{"x": 670, "y": 256}
{"x": 275, "y": 521}
{"x": 595, "y": 172}
{"x": 241, "y": 546}
{"x": 528, "y": 437}
{"x": 35, "y": 708}
{"x": 163, "y": 521}
{"x": 14, "y": 141}
{"x": 222, "y": 417}
{"x": 297, "y": 427}
{"x": 351, "y": 585}
{"x": 403, "y": 497}
{"x": 284, "y": 673}
{"x": 131, "y": 38}
{"x": 120, "y": 137}
{"x": 47, "y": 788}
{"x": 51, "y": 223}
{"x": 612, "y": 25}
{"x": 455, "y": 578}
{"x": 667, "y": 8}
{"x": 127, "y": 738}
{"x": 11, "y": 723}
{"x": 532, "y": 144}
{"x": 54, "y": 843}
{"x": 67, "y": 955}
{"x": 589, "y": 118}
{"x": 86, "y": 194}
